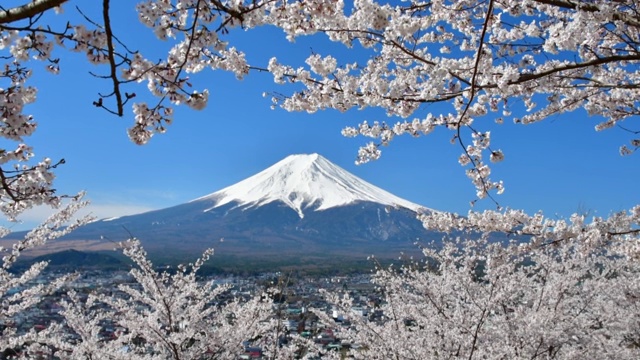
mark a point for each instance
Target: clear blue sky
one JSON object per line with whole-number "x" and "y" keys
{"x": 558, "y": 166}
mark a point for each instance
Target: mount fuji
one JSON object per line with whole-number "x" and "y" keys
{"x": 303, "y": 206}
{"x": 304, "y": 183}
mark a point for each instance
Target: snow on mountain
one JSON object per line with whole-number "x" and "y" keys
{"x": 305, "y": 181}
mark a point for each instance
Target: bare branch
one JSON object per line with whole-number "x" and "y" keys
{"x": 110, "y": 53}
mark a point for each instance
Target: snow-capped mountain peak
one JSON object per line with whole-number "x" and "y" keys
{"x": 304, "y": 182}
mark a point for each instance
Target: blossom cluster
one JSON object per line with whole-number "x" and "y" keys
{"x": 477, "y": 299}
{"x": 619, "y": 231}
{"x": 59, "y": 224}
{"x": 485, "y": 60}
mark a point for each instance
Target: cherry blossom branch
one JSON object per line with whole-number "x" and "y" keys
{"x": 476, "y": 163}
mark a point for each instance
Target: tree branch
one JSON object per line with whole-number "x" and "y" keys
{"x": 7, "y": 187}
{"x": 110, "y": 54}
{"x": 595, "y": 62}
{"x": 473, "y": 90}
{"x": 567, "y": 4}
{"x": 28, "y": 10}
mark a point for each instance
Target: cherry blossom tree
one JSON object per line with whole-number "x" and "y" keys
{"x": 480, "y": 300}
{"x": 16, "y": 290}
{"x": 160, "y": 315}
{"x": 488, "y": 61}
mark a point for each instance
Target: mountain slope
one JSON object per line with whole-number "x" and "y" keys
{"x": 302, "y": 206}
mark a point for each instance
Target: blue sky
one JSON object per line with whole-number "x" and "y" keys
{"x": 559, "y": 166}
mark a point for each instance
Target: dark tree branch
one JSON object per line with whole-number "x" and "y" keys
{"x": 474, "y": 89}
{"x": 28, "y": 10}
{"x": 581, "y": 5}
{"x": 112, "y": 61}
{"x": 593, "y": 63}
{"x": 8, "y": 179}
{"x": 7, "y": 187}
